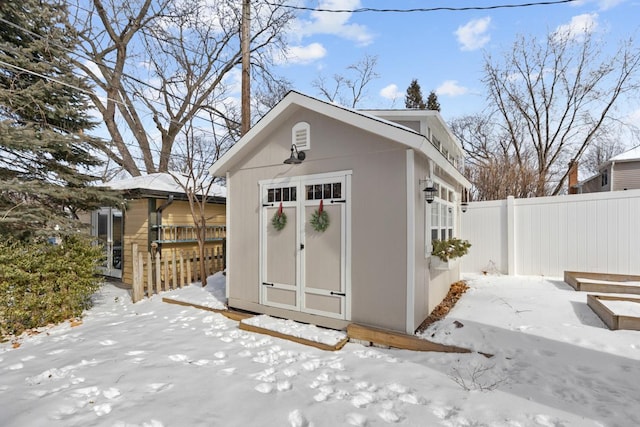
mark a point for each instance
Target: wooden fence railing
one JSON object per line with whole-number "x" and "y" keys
{"x": 172, "y": 269}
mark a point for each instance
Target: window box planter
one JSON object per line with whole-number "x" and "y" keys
{"x": 438, "y": 264}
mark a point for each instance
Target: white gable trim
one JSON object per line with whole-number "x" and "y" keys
{"x": 294, "y": 100}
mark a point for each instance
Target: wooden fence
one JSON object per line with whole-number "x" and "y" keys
{"x": 173, "y": 269}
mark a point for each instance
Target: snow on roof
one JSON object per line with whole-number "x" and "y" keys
{"x": 164, "y": 182}
{"x": 632, "y": 154}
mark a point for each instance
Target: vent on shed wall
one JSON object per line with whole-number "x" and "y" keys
{"x": 301, "y": 136}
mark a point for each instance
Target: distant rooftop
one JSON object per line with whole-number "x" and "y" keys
{"x": 161, "y": 182}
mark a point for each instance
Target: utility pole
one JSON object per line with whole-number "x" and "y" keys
{"x": 246, "y": 66}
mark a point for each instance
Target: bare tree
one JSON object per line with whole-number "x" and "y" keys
{"x": 190, "y": 165}
{"x": 161, "y": 63}
{"x": 492, "y": 165}
{"x": 350, "y": 89}
{"x": 555, "y": 98}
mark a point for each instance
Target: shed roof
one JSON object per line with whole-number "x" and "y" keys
{"x": 293, "y": 101}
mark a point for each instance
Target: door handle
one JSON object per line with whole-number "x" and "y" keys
{"x": 301, "y": 246}
{"x": 342, "y": 294}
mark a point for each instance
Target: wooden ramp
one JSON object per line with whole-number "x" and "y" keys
{"x": 399, "y": 340}
{"x": 299, "y": 340}
{"x": 602, "y": 282}
{"x": 231, "y": 314}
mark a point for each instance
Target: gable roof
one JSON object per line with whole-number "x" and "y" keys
{"x": 293, "y": 101}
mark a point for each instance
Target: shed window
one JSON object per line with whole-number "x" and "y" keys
{"x": 283, "y": 194}
{"x": 324, "y": 191}
{"x": 440, "y": 217}
{"x": 300, "y": 135}
{"x": 605, "y": 177}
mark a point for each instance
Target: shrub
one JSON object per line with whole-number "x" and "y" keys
{"x": 41, "y": 283}
{"x": 450, "y": 249}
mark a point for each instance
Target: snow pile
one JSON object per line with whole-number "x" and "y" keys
{"x": 212, "y": 295}
{"x": 296, "y": 329}
{"x": 156, "y": 364}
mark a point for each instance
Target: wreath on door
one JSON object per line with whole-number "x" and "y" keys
{"x": 320, "y": 219}
{"x": 279, "y": 219}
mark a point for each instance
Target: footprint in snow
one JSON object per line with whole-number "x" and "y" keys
{"x": 284, "y": 386}
{"x": 102, "y": 409}
{"x": 296, "y": 419}
{"x": 54, "y": 352}
{"x": 108, "y": 342}
{"x": 264, "y": 388}
{"x": 357, "y": 420}
{"x": 179, "y": 357}
{"x": 111, "y": 393}
{"x": 14, "y": 367}
{"x": 26, "y": 359}
{"x": 389, "y": 416}
{"x": 135, "y": 352}
{"x": 227, "y": 371}
{"x": 362, "y": 399}
{"x": 289, "y": 373}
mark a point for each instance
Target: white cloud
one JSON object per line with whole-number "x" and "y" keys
{"x": 302, "y": 54}
{"x": 473, "y": 35}
{"x": 451, "y": 88}
{"x": 578, "y": 27}
{"x": 335, "y": 23}
{"x": 391, "y": 92}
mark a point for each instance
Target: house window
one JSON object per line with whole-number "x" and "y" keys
{"x": 605, "y": 177}
{"x": 440, "y": 216}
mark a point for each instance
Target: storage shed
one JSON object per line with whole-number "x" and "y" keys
{"x": 340, "y": 232}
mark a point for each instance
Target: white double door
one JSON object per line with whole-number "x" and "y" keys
{"x": 302, "y": 268}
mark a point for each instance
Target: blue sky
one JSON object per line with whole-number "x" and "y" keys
{"x": 444, "y": 50}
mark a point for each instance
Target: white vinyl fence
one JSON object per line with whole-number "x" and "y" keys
{"x": 596, "y": 232}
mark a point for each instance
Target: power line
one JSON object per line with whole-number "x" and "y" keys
{"x": 424, "y": 9}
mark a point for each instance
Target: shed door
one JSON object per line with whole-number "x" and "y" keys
{"x": 306, "y": 269}
{"x": 324, "y": 254}
{"x": 280, "y": 248}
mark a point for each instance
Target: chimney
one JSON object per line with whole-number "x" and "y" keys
{"x": 573, "y": 177}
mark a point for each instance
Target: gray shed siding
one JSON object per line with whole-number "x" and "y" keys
{"x": 378, "y": 211}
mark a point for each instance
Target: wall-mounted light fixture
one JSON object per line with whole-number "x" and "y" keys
{"x": 429, "y": 190}
{"x": 464, "y": 205}
{"x": 296, "y": 156}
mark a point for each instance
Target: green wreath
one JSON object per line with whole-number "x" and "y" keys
{"x": 320, "y": 220}
{"x": 279, "y": 220}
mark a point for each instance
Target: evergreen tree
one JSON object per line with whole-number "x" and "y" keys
{"x": 432, "y": 102}
{"x": 44, "y": 152}
{"x": 413, "y": 98}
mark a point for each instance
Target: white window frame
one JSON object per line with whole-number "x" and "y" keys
{"x": 443, "y": 206}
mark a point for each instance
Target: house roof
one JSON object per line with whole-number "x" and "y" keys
{"x": 633, "y": 154}
{"x": 293, "y": 101}
{"x": 159, "y": 184}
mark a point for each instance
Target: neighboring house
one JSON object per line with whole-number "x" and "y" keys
{"x": 368, "y": 169}
{"x": 156, "y": 216}
{"x": 621, "y": 172}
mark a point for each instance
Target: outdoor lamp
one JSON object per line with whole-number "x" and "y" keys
{"x": 296, "y": 156}
{"x": 465, "y": 200}
{"x": 429, "y": 191}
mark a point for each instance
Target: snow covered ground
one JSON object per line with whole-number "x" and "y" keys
{"x": 157, "y": 364}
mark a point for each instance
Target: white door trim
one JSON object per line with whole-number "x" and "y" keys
{"x": 301, "y": 203}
